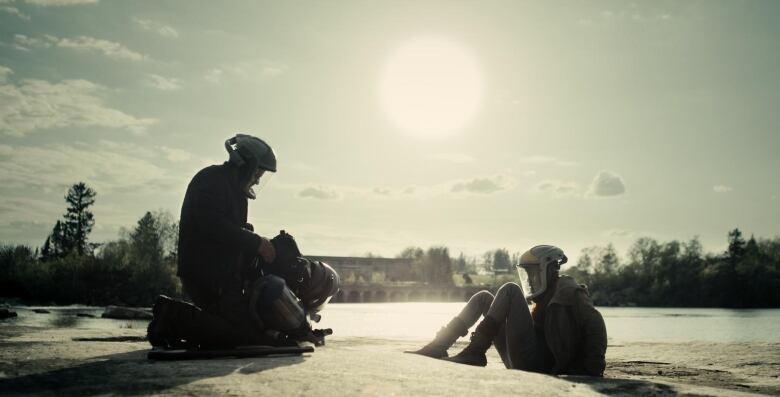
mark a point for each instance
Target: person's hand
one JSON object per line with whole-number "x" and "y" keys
{"x": 266, "y": 251}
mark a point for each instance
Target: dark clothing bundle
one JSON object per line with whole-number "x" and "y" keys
{"x": 213, "y": 241}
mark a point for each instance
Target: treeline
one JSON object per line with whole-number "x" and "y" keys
{"x": 70, "y": 269}
{"x": 675, "y": 274}
{"x": 141, "y": 264}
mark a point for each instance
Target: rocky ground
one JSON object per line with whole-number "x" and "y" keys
{"x": 75, "y": 361}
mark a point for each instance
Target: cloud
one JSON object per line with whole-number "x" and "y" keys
{"x": 8, "y": 9}
{"x": 457, "y": 158}
{"x": 37, "y": 104}
{"x": 175, "y": 155}
{"x": 483, "y": 185}
{"x": 607, "y": 184}
{"x": 548, "y": 161}
{"x": 59, "y": 3}
{"x": 163, "y": 83}
{"x": 383, "y": 191}
{"x": 110, "y": 49}
{"x": 722, "y": 189}
{"x": 319, "y": 193}
{"x": 475, "y": 186}
{"x": 618, "y": 233}
{"x": 106, "y": 166}
{"x": 4, "y": 73}
{"x": 254, "y": 71}
{"x": 25, "y": 43}
{"x": 558, "y": 188}
{"x": 156, "y": 27}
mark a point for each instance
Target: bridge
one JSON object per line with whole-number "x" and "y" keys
{"x": 388, "y": 280}
{"x": 403, "y": 292}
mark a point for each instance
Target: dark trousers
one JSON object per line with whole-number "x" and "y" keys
{"x": 520, "y": 345}
{"x": 223, "y": 318}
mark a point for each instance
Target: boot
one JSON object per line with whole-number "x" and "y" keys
{"x": 446, "y": 336}
{"x": 481, "y": 339}
{"x": 161, "y": 331}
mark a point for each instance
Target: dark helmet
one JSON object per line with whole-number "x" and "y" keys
{"x": 252, "y": 151}
{"x": 323, "y": 284}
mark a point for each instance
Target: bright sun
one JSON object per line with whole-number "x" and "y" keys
{"x": 431, "y": 87}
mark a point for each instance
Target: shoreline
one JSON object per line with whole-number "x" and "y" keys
{"x": 44, "y": 360}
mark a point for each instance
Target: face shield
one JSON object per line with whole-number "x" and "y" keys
{"x": 257, "y": 182}
{"x": 533, "y": 279}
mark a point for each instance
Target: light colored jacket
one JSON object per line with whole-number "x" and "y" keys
{"x": 575, "y": 331}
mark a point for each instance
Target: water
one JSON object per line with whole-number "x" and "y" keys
{"x": 421, "y": 320}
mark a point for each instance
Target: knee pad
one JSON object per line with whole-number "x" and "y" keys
{"x": 273, "y": 306}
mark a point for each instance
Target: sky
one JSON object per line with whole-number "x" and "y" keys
{"x": 474, "y": 125}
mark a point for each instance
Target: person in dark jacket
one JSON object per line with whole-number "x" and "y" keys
{"x": 215, "y": 240}
{"x": 563, "y": 334}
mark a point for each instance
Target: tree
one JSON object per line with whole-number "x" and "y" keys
{"x": 57, "y": 244}
{"x": 71, "y": 233}
{"x": 502, "y": 263}
{"x": 736, "y": 246}
{"x": 438, "y": 266}
{"x": 78, "y": 218}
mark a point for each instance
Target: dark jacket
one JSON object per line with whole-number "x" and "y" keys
{"x": 575, "y": 331}
{"x": 212, "y": 238}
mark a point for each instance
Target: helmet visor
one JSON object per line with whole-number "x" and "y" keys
{"x": 257, "y": 182}
{"x": 531, "y": 279}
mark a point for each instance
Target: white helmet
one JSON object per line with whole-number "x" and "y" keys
{"x": 533, "y": 265}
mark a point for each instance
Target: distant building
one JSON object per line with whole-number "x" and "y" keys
{"x": 357, "y": 270}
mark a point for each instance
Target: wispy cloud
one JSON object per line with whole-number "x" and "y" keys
{"x": 4, "y": 73}
{"x": 9, "y": 9}
{"x": 156, "y": 27}
{"x": 26, "y": 43}
{"x": 558, "y": 188}
{"x": 107, "y": 166}
{"x": 35, "y": 104}
{"x": 478, "y": 186}
{"x": 253, "y": 71}
{"x": 59, "y": 3}
{"x": 483, "y": 185}
{"x": 110, "y": 49}
{"x": 607, "y": 184}
{"x": 456, "y": 158}
{"x": 722, "y": 189}
{"x": 175, "y": 155}
{"x": 163, "y": 83}
{"x": 319, "y": 193}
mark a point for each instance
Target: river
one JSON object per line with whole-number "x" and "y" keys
{"x": 421, "y": 320}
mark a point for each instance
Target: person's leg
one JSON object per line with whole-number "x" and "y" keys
{"x": 216, "y": 319}
{"x": 522, "y": 347}
{"x": 508, "y": 325}
{"x": 476, "y": 307}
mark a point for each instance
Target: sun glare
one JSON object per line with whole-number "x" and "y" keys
{"x": 431, "y": 87}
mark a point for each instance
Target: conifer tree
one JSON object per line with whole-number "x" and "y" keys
{"x": 78, "y": 218}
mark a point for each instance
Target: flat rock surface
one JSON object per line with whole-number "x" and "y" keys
{"x": 57, "y": 361}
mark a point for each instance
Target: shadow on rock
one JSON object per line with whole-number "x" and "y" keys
{"x": 132, "y": 374}
{"x": 624, "y": 387}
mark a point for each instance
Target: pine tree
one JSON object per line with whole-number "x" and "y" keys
{"x": 78, "y": 218}
{"x": 736, "y": 245}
